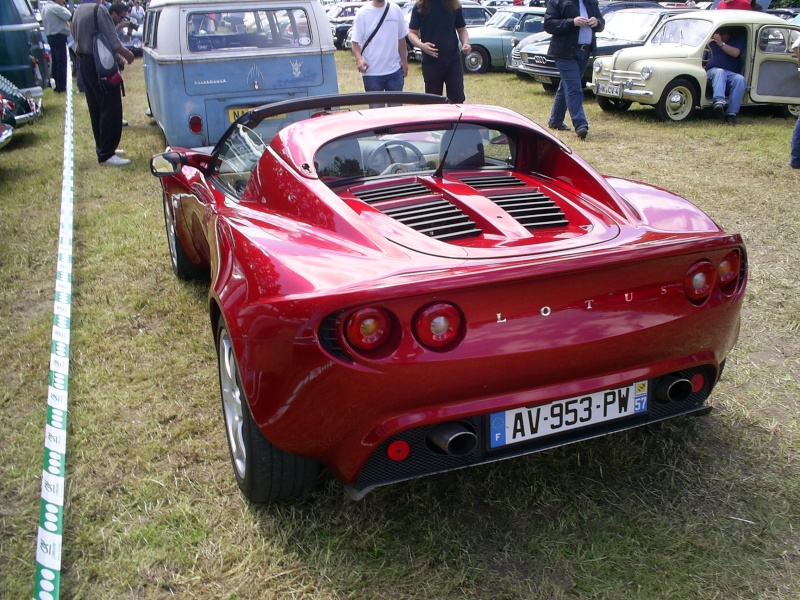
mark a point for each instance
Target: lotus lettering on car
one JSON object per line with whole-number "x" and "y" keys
{"x": 402, "y": 291}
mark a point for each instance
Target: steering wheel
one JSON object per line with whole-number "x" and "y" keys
{"x": 707, "y": 54}
{"x": 395, "y": 166}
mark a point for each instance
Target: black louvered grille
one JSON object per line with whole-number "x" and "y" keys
{"x": 395, "y": 192}
{"x": 329, "y": 338}
{"x": 436, "y": 218}
{"x": 532, "y": 208}
{"x": 480, "y": 182}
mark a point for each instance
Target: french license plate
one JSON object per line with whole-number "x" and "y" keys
{"x": 542, "y": 79}
{"x": 609, "y": 90}
{"x": 534, "y": 422}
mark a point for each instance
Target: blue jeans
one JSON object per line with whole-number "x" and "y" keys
{"x": 723, "y": 81}
{"x": 570, "y": 90}
{"x": 384, "y": 83}
{"x": 795, "y": 162}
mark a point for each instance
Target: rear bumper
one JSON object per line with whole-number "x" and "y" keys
{"x": 31, "y": 116}
{"x": 423, "y": 458}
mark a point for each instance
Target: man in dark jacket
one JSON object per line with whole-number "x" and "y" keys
{"x": 573, "y": 25}
{"x": 104, "y": 102}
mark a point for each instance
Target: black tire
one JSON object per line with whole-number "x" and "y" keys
{"x": 550, "y": 88}
{"x": 790, "y": 111}
{"x": 263, "y": 472}
{"x": 613, "y": 104}
{"x": 183, "y": 267}
{"x": 678, "y": 102}
{"x": 477, "y": 61}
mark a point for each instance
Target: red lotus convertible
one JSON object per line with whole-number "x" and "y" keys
{"x": 419, "y": 287}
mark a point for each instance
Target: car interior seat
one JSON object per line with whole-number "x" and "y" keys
{"x": 464, "y": 147}
{"x": 340, "y": 158}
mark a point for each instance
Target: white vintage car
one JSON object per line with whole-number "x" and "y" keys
{"x": 667, "y": 72}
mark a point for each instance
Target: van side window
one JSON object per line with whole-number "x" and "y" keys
{"x": 150, "y": 27}
{"x": 213, "y": 31}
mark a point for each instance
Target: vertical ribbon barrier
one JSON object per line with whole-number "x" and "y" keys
{"x": 47, "y": 584}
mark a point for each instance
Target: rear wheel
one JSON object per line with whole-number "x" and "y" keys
{"x": 183, "y": 267}
{"x": 477, "y": 61}
{"x": 791, "y": 111}
{"x": 263, "y": 472}
{"x": 613, "y": 104}
{"x": 678, "y": 101}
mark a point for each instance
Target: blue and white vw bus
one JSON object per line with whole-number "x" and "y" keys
{"x": 208, "y": 61}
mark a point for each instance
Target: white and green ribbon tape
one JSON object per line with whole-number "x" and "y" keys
{"x": 47, "y": 584}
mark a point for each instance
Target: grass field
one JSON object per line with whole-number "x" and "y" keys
{"x": 695, "y": 508}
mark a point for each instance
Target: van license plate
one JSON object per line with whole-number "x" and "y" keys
{"x": 542, "y": 79}
{"x": 235, "y": 113}
{"x": 608, "y": 90}
{"x": 533, "y": 422}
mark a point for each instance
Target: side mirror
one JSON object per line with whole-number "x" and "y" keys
{"x": 167, "y": 163}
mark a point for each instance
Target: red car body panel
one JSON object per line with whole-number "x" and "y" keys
{"x": 595, "y": 304}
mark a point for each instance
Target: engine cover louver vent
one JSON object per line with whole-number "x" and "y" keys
{"x": 531, "y": 208}
{"x": 432, "y": 215}
{"x": 436, "y": 218}
{"x": 480, "y": 182}
{"x": 394, "y": 192}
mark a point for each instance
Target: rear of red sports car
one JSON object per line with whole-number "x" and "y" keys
{"x": 398, "y": 294}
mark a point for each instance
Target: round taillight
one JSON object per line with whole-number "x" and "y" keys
{"x": 398, "y": 450}
{"x": 699, "y": 281}
{"x": 196, "y": 124}
{"x": 368, "y": 328}
{"x": 728, "y": 269}
{"x": 438, "y": 325}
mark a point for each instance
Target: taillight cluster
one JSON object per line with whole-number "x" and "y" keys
{"x": 196, "y": 124}
{"x": 703, "y": 276}
{"x": 436, "y": 326}
{"x": 6, "y": 103}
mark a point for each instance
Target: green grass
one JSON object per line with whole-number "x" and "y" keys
{"x": 694, "y": 508}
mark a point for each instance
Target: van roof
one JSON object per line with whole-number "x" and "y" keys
{"x": 224, "y": 4}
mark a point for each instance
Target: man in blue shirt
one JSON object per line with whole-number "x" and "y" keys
{"x": 724, "y": 71}
{"x": 573, "y": 25}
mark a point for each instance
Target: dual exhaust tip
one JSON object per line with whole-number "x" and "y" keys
{"x": 455, "y": 439}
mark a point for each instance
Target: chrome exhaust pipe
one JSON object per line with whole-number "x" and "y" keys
{"x": 453, "y": 438}
{"x": 672, "y": 389}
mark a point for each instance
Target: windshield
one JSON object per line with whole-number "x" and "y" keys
{"x": 504, "y": 19}
{"x": 683, "y": 32}
{"x": 628, "y": 25}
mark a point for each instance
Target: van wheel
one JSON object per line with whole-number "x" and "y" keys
{"x": 678, "y": 101}
{"x": 613, "y": 104}
{"x": 477, "y": 61}
{"x": 263, "y": 472}
{"x": 550, "y": 88}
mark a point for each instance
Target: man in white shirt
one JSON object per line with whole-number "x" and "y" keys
{"x": 379, "y": 46}
{"x": 55, "y": 19}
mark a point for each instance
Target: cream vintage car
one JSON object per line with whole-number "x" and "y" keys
{"x": 667, "y": 72}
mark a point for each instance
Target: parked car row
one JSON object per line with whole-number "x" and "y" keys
{"x": 24, "y": 60}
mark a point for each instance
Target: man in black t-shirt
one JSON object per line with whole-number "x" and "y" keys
{"x": 437, "y": 27}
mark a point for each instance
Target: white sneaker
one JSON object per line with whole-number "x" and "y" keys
{"x": 124, "y": 123}
{"x": 119, "y": 152}
{"x": 115, "y": 161}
